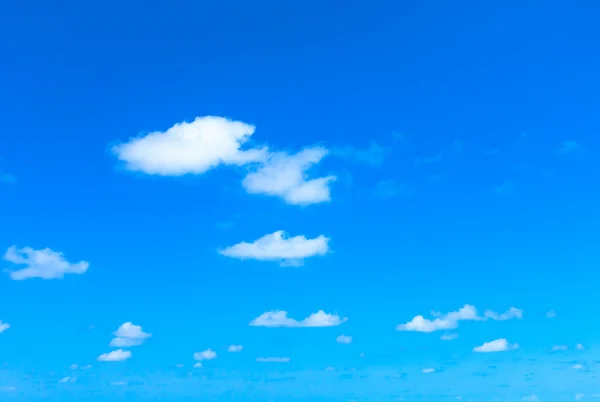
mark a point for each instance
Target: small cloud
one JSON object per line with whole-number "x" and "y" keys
{"x": 8, "y": 388}
{"x": 67, "y": 379}
{"x": 579, "y": 346}
{"x": 234, "y": 348}
{"x": 458, "y": 146}
{"x": 208, "y": 354}
{"x": 492, "y": 152}
{"x": 128, "y": 335}
{"x": 344, "y": 339}
{"x": 551, "y": 314}
{"x": 273, "y": 359}
{"x": 390, "y": 188}
{"x": 428, "y": 370}
{"x": 429, "y": 160}
{"x": 180, "y": 365}
{"x": 530, "y": 398}
{"x": 578, "y": 366}
{"x": 449, "y": 337}
{"x": 197, "y": 365}
{"x": 74, "y": 366}
{"x": 498, "y": 345}
{"x": 558, "y": 348}
{"x": 7, "y": 178}
{"x": 397, "y": 135}
{"x": 3, "y": 326}
{"x": 505, "y": 188}
{"x": 278, "y": 246}
{"x": 362, "y": 355}
{"x": 508, "y": 315}
{"x": 279, "y": 318}
{"x": 567, "y": 147}
{"x": 373, "y": 155}
{"x": 44, "y": 264}
{"x": 115, "y": 356}
{"x": 118, "y": 383}
{"x": 579, "y": 396}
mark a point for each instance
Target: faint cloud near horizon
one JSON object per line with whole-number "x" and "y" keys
{"x": 388, "y": 188}
{"x": 373, "y": 155}
{"x": 505, "y": 188}
{"x": 567, "y": 147}
{"x": 431, "y": 159}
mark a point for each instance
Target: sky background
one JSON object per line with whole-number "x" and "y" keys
{"x": 464, "y": 140}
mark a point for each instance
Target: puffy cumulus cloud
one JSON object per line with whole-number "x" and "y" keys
{"x": 273, "y": 359}
{"x": 279, "y": 318}
{"x": 44, "y": 264}
{"x": 4, "y": 326}
{"x": 451, "y": 319}
{"x": 285, "y": 176}
{"x": 428, "y": 370}
{"x": 278, "y": 246}
{"x": 207, "y": 354}
{"x": 234, "y": 348}
{"x": 498, "y": 345}
{"x": 578, "y": 366}
{"x": 129, "y": 334}
{"x": 115, "y": 356}
{"x": 190, "y": 147}
{"x": 344, "y": 339}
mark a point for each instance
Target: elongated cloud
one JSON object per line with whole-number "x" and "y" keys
{"x": 273, "y": 359}
{"x": 451, "y": 319}
{"x": 234, "y": 348}
{"x": 279, "y": 318}
{"x": 278, "y": 246}
{"x": 128, "y": 335}
{"x": 115, "y": 356}
{"x": 498, "y": 345}
{"x": 44, "y": 264}
{"x": 207, "y": 354}
{"x": 4, "y": 326}
{"x": 344, "y": 339}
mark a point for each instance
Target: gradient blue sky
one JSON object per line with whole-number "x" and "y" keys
{"x": 464, "y": 139}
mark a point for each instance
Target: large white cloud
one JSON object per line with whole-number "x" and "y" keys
{"x": 115, "y": 356}
{"x": 498, "y": 345}
{"x": 190, "y": 147}
{"x": 278, "y": 246}
{"x": 279, "y": 318}
{"x": 285, "y": 176}
{"x": 451, "y": 319}
{"x": 45, "y": 264}
{"x": 208, "y": 142}
{"x": 4, "y": 326}
{"x": 129, "y": 334}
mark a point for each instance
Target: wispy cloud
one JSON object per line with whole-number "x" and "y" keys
{"x": 279, "y": 318}
{"x": 4, "y": 326}
{"x": 449, "y": 337}
{"x": 273, "y": 359}
{"x": 390, "y": 188}
{"x": 44, "y": 264}
{"x": 428, "y": 160}
{"x": 505, "y": 187}
{"x": 428, "y": 370}
{"x": 551, "y": 314}
{"x": 207, "y": 354}
{"x": 373, "y": 155}
{"x": 234, "y": 348}
{"x": 567, "y": 147}
{"x": 344, "y": 339}
{"x": 557, "y": 348}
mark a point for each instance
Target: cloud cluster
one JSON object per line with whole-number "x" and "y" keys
{"x": 129, "y": 334}
{"x": 209, "y": 142}
{"x": 278, "y": 246}
{"x": 207, "y": 354}
{"x": 279, "y": 318}
{"x": 451, "y": 319}
{"x": 44, "y": 264}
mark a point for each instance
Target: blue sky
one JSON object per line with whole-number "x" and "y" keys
{"x": 320, "y": 201}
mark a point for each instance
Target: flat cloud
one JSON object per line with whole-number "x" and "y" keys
{"x": 207, "y": 354}
{"x": 498, "y": 345}
{"x": 115, "y": 356}
{"x": 449, "y": 337}
{"x": 279, "y": 318}
{"x": 4, "y": 326}
{"x": 344, "y": 339}
{"x": 210, "y": 141}
{"x": 451, "y": 319}
{"x": 234, "y": 348}
{"x": 428, "y": 370}
{"x": 273, "y": 359}
{"x": 278, "y": 246}
{"x": 557, "y": 348}
{"x": 128, "y": 335}
{"x": 285, "y": 176}
{"x": 44, "y": 264}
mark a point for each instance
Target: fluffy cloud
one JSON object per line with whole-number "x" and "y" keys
{"x": 194, "y": 147}
{"x": 428, "y": 370}
{"x": 451, "y": 319}
{"x": 115, "y": 356}
{"x": 197, "y": 365}
{"x": 279, "y": 246}
{"x": 285, "y": 176}
{"x": 208, "y": 354}
{"x": 344, "y": 339}
{"x": 279, "y": 318}
{"x": 3, "y": 326}
{"x": 273, "y": 359}
{"x": 234, "y": 348}
{"x": 45, "y": 264}
{"x": 128, "y": 335}
{"x": 578, "y": 366}
{"x": 498, "y": 345}
{"x": 579, "y": 346}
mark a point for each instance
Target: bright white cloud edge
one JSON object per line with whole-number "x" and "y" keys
{"x": 279, "y": 318}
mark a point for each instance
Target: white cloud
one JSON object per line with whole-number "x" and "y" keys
{"x": 279, "y": 318}
{"x": 579, "y": 396}
{"x": 67, "y": 379}
{"x": 451, "y": 319}
{"x": 428, "y": 370}
{"x": 530, "y": 398}
{"x": 45, "y": 264}
{"x": 197, "y": 365}
{"x": 190, "y": 147}
{"x": 449, "y": 337}
{"x": 285, "y": 176}
{"x": 579, "y": 346}
{"x": 208, "y": 354}
{"x": 557, "y": 348}
{"x": 115, "y": 356}
{"x": 498, "y": 345}
{"x": 9, "y": 388}
{"x": 234, "y": 348}
{"x": 505, "y": 188}
{"x": 578, "y": 366}
{"x": 567, "y": 147}
{"x": 179, "y": 365}
{"x": 279, "y": 246}
{"x": 273, "y": 359}
{"x": 74, "y": 366}
{"x": 4, "y": 326}
{"x": 551, "y": 314}
{"x": 344, "y": 339}
{"x": 128, "y": 335}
